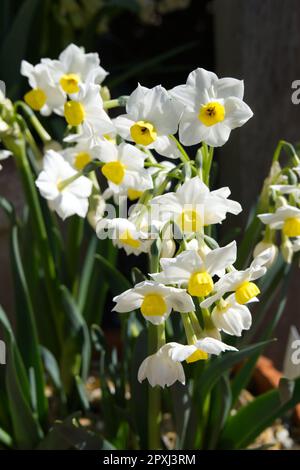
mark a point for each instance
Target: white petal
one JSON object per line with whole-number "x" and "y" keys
{"x": 226, "y": 87}
{"x": 220, "y": 258}
{"x": 237, "y": 112}
{"x": 213, "y": 346}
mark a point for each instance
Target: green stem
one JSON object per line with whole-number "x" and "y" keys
{"x": 109, "y": 104}
{"x": 208, "y": 158}
{"x": 41, "y": 131}
{"x": 184, "y": 156}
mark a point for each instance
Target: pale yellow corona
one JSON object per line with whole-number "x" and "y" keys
{"x": 291, "y": 227}
{"x": 211, "y": 113}
{"x": 200, "y": 284}
{"x": 246, "y": 291}
{"x": 143, "y": 133}
{"x": 74, "y": 113}
{"x": 198, "y": 355}
{"x": 114, "y": 172}
{"x": 70, "y": 83}
{"x": 133, "y": 194}
{"x": 153, "y": 305}
{"x": 189, "y": 221}
{"x": 36, "y": 99}
{"x": 81, "y": 160}
{"x": 127, "y": 239}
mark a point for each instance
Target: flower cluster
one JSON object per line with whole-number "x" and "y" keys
{"x": 282, "y": 217}
{"x": 116, "y": 161}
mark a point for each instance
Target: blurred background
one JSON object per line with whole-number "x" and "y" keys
{"x": 160, "y": 42}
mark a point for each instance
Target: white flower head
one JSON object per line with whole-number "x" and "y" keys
{"x": 45, "y": 96}
{"x": 154, "y": 300}
{"x": 152, "y": 116}
{"x": 231, "y": 317}
{"x": 194, "y": 272}
{"x": 80, "y": 154}
{"x": 160, "y": 369}
{"x": 213, "y": 107}
{"x": 74, "y": 67}
{"x": 124, "y": 168}
{"x": 85, "y": 109}
{"x": 124, "y": 234}
{"x": 194, "y": 206}
{"x": 69, "y": 200}
{"x": 286, "y": 218}
{"x": 241, "y": 282}
{"x": 200, "y": 350}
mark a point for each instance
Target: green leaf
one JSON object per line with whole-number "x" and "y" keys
{"x": 26, "y": 429}
{"x": 76, "y": 354}
{"x": 118, "y": 283}
{"x": 51, "y": 367}
{"x": 250, "y": 420}
{"x": 9, "y": 209}
{"x": 27, "y": 337}
{"x": 5, "y": 438}
{"x": 68, "y": 434}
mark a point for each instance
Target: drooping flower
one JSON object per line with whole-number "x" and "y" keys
{"x": 68, "y": 199}
{"x": 286, "y": 218}
{"x": 241, "y": 282}
{"x": 154, "y": 300}
{"x": 45, "y": 96}
{"x": 194, "y": 272}
{"x": 124, "y": 168}
{"x": 152, "y": 116}
{"x": 231, "y": 317}
{"x": 194, "y": 206}
{"x": 200, "y": 350}
{"x": 160, "y": 369}
{"x": 124, "y": 234}
{"x": 213, "y": 107}
{"x": 75, "y": 67}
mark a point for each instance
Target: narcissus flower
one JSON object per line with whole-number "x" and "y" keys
{"x": 160, "y": 369}
{"x": 194, "y": 272}
{"x": 80, "y": 155}
{"x": 124, "y": 234}
{"x": 200, "y": 350}
{"x": 154, "y": 300}
{"x": 74, "y": 67}
{"x": 213, "y": 107}
{"x": 45, "y": 96}
{"x": 231, "y": 317}
{"x": 241, "y": 282}
{"x": 124, "y": 168}
{"x": 65, "y": 199}
{"x": 194, "y": 206}
{"x": 86, "y": 109}
{"x": 286, "y": 218}
{"x": 152, "y": 116}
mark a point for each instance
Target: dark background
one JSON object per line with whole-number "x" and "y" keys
{"x": 161, "y": 41}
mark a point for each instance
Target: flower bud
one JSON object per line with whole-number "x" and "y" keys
{"x": 262, "y": 246}
{"x": 287, "y": 250}
{"x": 168, "y": 248}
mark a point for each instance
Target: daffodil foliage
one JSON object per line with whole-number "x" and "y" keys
{"x": 138, "y": 182}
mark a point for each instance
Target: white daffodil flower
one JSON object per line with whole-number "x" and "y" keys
{"x": 152, "y": 116}
{"x": 4, "y": 154}
{"x": 231, "y": 317}
{"x": 194, "y": 206}
{"x": 213, "y": 107}
{"x": 198, "y": 351}
{"x": 160, "y": 369}
{"x": 80, "y": 155}
{"x": 65, "y": 200}
{"x": 286, "y": 218}
{"x": 194, "y": 272}
{"x": 45, "y": 96}
{"x": 85, "y": 109}
{"x": 74, "y": 67}
{"x": 241, "y": 282}
{"x": 154, "y": 300}
{"x": 124, "y": 168}
{"x": 124, "y": 234}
